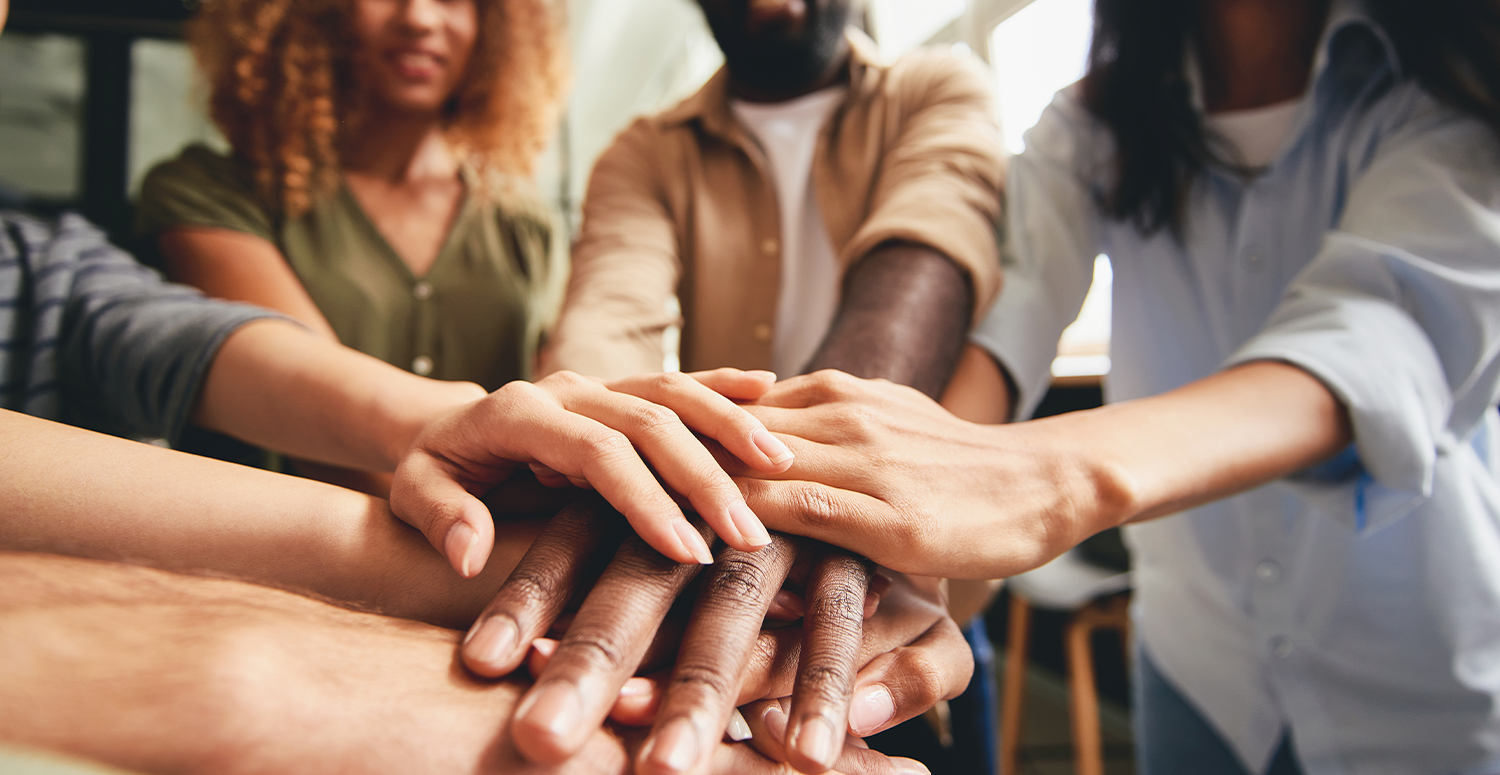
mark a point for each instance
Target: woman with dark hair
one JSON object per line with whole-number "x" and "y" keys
{"x": 1301, "y": 203}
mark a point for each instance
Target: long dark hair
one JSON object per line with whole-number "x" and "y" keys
{"x": 1136, "y": 85}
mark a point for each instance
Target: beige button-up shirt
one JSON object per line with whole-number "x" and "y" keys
{"x": 682, "y": 205}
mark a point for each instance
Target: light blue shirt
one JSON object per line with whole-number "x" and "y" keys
{"x": 1357, "y": 605}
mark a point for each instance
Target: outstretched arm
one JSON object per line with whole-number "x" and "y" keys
{"x": 70, "y": 491}
{"x": 224, "y": 677}
{"x": 886, "y": 472}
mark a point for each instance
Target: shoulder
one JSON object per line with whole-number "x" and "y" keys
{"x": 937, "y": 74}
{"x": 198, "y": 166}
{"x": 201, "y": 187}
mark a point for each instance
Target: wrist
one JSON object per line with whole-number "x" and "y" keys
{"x": 1093, "y": 473}
{"x": 407, "y": 413}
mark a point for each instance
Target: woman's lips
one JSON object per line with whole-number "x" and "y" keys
{"x": 416, "y": 65}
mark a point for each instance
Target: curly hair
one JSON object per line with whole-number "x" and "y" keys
{"x": 283, "y": 90}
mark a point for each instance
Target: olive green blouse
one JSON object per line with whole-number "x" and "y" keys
{"x": 477, "y": 315}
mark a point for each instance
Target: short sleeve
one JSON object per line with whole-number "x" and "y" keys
{"x": 201, "y": 188}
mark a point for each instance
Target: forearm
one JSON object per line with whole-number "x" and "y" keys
{"x": 181, "y": 512}
{"x": 1207, "y": 440}
{"x": 276, "y": 385}
{"x": 161, "y": 673}
{"x": 903, "y": 317}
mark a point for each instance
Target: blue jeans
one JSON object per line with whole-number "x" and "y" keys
{"x": 1173, "y": 738}
{"x": 975, "y": 721}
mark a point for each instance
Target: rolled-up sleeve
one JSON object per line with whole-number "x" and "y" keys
{"x": 625, "y": 269}
{"x": 940, "y": 184}
{"x": 1048, "y": 254}
{"x": 1399, "y": 313}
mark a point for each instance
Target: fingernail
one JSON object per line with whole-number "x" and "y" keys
{"x": 554, "y": 708}
{"x": 458, "y": 544}
{"x": 910, "y": 767}
{"x": 817, "y": 740}
{"x": 872, "y": 604}
{"x": 763, "y": 374}
{"x": 694, "y": 543}
{"x": 492, "y": 641}
{"x": 871, "y": 709}
{"x": 749, "y": 525}
{"x": 775, "y": 721}
{"x": 738, "y": 730}
{"x": 635, "y": 687}
{"x": 675, "y": 748}
{"x": 771, "y": 447}
{"x": 787, "y": 605}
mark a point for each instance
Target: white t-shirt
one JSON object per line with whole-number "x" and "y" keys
{"x": 1256, "y": 134}
{"x": 809, "y": 294}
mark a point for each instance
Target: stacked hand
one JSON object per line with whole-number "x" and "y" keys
{"x": 609, "y": 438}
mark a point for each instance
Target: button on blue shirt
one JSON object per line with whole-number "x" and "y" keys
{"x": 1357, "y": 604}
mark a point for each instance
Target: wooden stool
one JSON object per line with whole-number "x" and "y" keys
{"x": 1109, "y": 611}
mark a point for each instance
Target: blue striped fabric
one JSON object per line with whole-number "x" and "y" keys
{"x": 91, "y": 337}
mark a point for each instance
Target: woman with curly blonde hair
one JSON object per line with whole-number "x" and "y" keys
{"x": 375, "y": 188}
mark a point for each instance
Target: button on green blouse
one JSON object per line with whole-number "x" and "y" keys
{"x": 478, "y": 314}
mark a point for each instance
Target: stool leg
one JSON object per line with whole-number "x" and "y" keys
{"x": 1013, "y": 696}
{"x": 1083, "y": 699}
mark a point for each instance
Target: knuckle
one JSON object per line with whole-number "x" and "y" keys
{"x": 738, "y": 578}
{"x": 607, "y": 444}
{"x": 528, "y": 586}
{"x": 826, "y": 680}
{"x": 654, "y": 418}
{"x": 593, "y": 648}
{"x": 701, "y": 679}
{"x": 816, "y": 505}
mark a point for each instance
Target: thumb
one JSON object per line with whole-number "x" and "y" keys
{"x": 425, "y": 496}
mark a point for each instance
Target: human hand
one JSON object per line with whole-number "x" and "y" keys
{"x": 912, "y": 652}
{"x": 270, "y": 682}
{"x": 884, "y": 471}
{"x": 571, "y": 429}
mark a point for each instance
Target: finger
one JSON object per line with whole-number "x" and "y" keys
{"x": 601, "y": 649}
{"x": 605, "y": 458}
{"x": 659, "y": 433}
{"x": 833, "y": 630}
{"x": 841, "y": 517}
{"x": 455, "y": 522}
{"x": 710, "y": 412}
{"x": 716, "y": 646}
{"x": 905, "y": 682}
{"x": 767, "y": 722}
{"x": 736, "y": 384}
{"x": 576, "y": 540}
{"x": 706, "y": 411}
{"x": 787, "y": 606}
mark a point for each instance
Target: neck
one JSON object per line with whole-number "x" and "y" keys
{"x": 837, "y": 68}
{"x": 1255, "y": 53}
{"x": 401, "y": 147}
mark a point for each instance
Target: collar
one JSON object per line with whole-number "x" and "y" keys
{"x": 710, "y": 105}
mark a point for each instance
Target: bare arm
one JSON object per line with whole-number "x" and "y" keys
{"x": 276, "y": 385}
{"x": 155, "y": 672}
{"x": 228, "y": 264}
{"x": 1014, "y": 496}
{"x": 904, "y": 313}
{"x": 192, "y": 514}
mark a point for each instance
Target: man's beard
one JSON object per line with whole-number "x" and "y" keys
{"x": 777, "y": 60}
